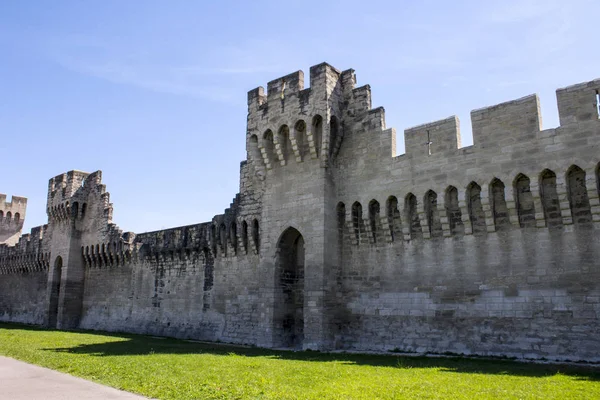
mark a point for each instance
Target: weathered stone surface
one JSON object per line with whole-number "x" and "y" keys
{"x": 334, "y": 242}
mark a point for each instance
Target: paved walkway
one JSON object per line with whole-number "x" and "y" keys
{"x": 22, "y": 381}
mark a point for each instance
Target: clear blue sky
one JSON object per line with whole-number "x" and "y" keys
{"x": 153, "y": 93}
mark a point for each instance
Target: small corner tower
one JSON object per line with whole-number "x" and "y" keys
{"x": 12, "y": 216}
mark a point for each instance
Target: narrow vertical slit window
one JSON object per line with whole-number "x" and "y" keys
{"x": 428, "y": 143}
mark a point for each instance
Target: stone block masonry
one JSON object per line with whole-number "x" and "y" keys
{"x": 336, "y": 242}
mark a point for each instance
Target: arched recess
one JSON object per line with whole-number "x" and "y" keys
{"x": 301, "y": 139}
{"x": 55, "y": 292}
{"x": 394, "y": 219}
{"x": 1, "y": 214}
{"x": 254, "y": 151}
{"x": 256, "y": 235}
{"x": 431, "y": 211}
{"x": 453, "y": 212}
{"x": 412, "y": 216}
{"x": 233, "y": 235}
{"x": 498, "y": 204}
{"x": 524, "y": 201}
{"x": 374, "y": 218}
{"x": 269, "y": 146}
{"x": 317, "y": 132}
{"x": 357, "y": 221}
{"x": 476, "y": 214}
{"x": 578, "y": 196}
{"x": 209, "y": 276}
{"x": 17, "y": 218}
{"x": 213, "y": 239}
{"x": 8, "y": 216}
{"x": 549, "y": 198}
{"x": 598, "y": 178}
{"x": 223, "y": 238}
{"x": 75, "y": 210}
{"x": 83, "y": 210}
{"x": 288, "y": 315}
{"x": 245, "y": 236}
{"x": 341, "y": 220}
{"x": 285, "y": 146}
{"x": 334, "y": 136}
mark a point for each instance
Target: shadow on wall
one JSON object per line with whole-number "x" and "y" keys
{"x": 137, "y": 345}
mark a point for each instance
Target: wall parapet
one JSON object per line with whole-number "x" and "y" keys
{"x": 27, "y": 255}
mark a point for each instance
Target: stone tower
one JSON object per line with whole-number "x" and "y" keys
{"x": 78, "y": 208}
{"x": 293, "y": 138}
{"x": 12, "y": 217}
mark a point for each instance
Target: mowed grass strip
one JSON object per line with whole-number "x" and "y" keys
{"x": 178, "y": 369}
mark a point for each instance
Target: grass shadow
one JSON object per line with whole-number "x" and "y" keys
{"x": 140, "y": 345}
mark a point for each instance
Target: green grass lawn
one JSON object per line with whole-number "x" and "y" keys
{"x": 178, "y": 369}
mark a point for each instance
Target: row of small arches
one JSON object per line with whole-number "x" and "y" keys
{"x": 68, "y": 211}
{"x": 23, "y": 263}
{"x": 105, "y": 254}
{"x": 280, "y": 146}
{"x": 24, "y": 257}
{"x": 222, "y": 235}
{"x": 474, "y": 216}
{"x": 112, "y": 247}
{"x": 8, "y": 218}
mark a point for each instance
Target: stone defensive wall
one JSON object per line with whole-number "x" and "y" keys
{"x": 336, "y": 242}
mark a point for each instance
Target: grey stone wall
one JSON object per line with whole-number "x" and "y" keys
{"x": 335, "y": 242}
{"x": 23, "y": 279}
{"x": 172, "y": 285}
{"x": 423, "y": 276}
{"x": 23, "y": 297}
{"x": 519, "y": 293}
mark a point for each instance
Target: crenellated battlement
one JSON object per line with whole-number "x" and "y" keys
{"x": 512, "y": 123}
{"x": 65, "y": 185}
{"x": 17, "y": 204}
{"x": 74, "y": 195}
{"x": 12, "y": 217}
{"x": 507, "y": 123}
{"x": 291, "y": 124}
{"x": 579, "y": 103}
{"x": 26, "y": 255}
{"x": 432, "y": 138}
{"x": 289, "y": 90}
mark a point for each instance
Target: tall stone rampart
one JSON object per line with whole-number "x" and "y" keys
{"x": 336, "y": 242}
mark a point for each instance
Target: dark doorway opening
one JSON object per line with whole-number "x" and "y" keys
{"x": 289, "y": 299}
{"x": 55, "y": 292}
